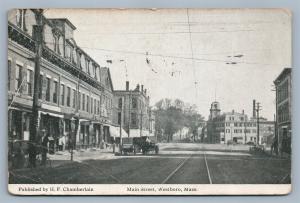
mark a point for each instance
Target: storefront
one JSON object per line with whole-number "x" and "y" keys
{"x": 53, "y": 124}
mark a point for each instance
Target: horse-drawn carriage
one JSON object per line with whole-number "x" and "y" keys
{"x": 138, "y": 145}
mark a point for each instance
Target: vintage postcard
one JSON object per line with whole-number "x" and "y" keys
{"x": 149, "y": 101}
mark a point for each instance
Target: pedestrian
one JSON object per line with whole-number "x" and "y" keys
{"x": 44, "y": 147}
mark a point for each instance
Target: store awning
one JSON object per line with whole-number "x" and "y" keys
{"x": 115, "y": 132}
{"x": 52, "y": 114}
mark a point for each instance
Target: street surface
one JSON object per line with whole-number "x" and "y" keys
{"x": 176, "y": 163}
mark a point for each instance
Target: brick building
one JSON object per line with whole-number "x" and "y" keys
{"x": 76, "y": 93}
{"x": 133, "y": 110}
{"x": 283, "y": 84}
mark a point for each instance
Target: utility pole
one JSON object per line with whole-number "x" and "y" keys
{"x": 34, "y": 124}
{"x": 129, "y": 113}
{"x": 141, "y": 122}
{"x": 257, "y": 113}
{"x": 121, "y": 121}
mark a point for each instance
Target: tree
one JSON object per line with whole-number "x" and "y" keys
{"x": 172, "y": 116}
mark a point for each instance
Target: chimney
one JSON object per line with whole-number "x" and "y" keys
{"x": 145, "y": 91}
{"x": 243, "y": 112}
{"x": 138, "y": 87}
{"x": 127, "y": 85}
{"x": 232, "y": 111}
{"x": 253, "y": 113}
{"x": 142, "y": 88}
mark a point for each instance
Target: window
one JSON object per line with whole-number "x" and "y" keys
{"x": 68, "y": 96}
{"x": 69, "y": 51}
{"x": 48, "y": 89}
{"x": 20, "y": 19}
{"x": 95, "y": 72}
{"x": 55, "y": 90}
{"x": 29, "y": 81}
{"x": 74, "y": 57}
{"x": 18, "y": 78}
{"x": 95, "y": 106}
{"x": 88, "y": 67}
{"x": 235, "y": 124}
{"x": 79, "y": 100}
{"x": 83, "y": 102}
{"x": 133, "y": 119}
{"x": 9, "y": 74}
{"x": 120, "y": 103}
{"x": 82, "y": 63}
{"x": 119, "y": 118}
{"x": 41, "y": 87}
{"x": 98, "y": 108}
{"x": 134, "y": 103}
{"x": 62, "y": 94}
{"x": 92, "y": 105}
{"x": 74, "y": 98}
{"x": 87, "y": 103}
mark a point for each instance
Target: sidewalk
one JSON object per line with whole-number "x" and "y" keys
{"x": 63, "y": 157}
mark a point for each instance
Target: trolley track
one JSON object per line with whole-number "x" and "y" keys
{"x": 192, "y": 170}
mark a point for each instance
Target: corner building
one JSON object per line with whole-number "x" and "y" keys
{"x": 75, "y": 95}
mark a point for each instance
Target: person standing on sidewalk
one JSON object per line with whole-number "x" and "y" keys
{"x": 44, "y": 147}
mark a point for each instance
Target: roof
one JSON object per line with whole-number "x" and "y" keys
{"x": 64, "y": 20}
{"x": 284, "y": 73}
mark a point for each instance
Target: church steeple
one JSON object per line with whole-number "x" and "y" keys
{"x": 214, "y": 110}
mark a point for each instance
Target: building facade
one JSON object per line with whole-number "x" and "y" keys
{"x": 133, "y": 111}
{"x": 283, "y": 84}
{"x": 75, "y": 93}
{"x": 235, "y": 127}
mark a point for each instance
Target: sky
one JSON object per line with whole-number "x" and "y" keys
{"x": 188, "y": 53}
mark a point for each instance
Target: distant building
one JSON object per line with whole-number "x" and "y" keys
{"x": 234, "y": 127}
{"x": 133, "y": 110}
{"x": 283, "y": 84}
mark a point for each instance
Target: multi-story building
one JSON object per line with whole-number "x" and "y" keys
{"x": 133, "y": 110}
{"x": 75, "y": 95}
{"x": 234, "y": 127}
{"x": 283, "y": 84}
